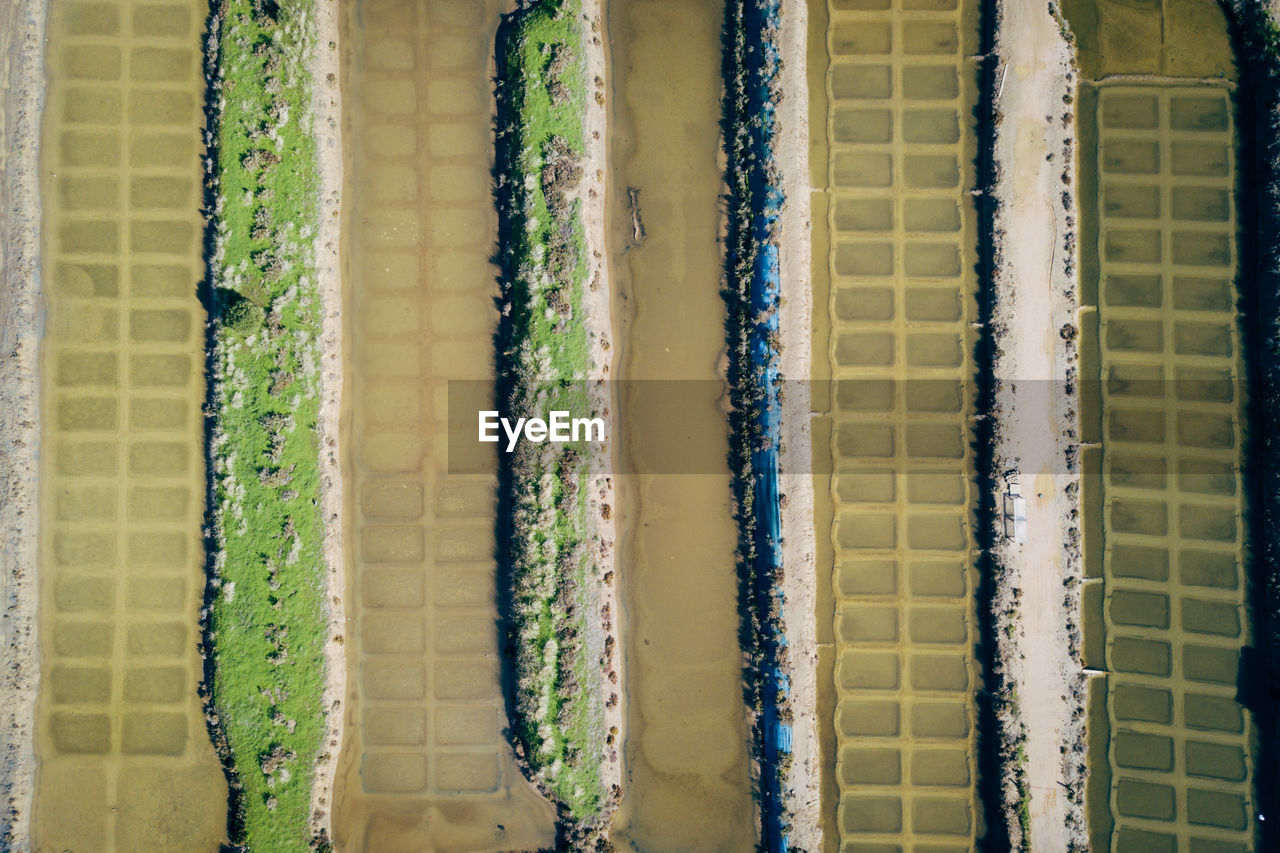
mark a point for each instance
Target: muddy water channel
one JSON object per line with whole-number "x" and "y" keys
{"x": 424, "y": 763}
{"x": 125, "y": 758}
{"x": 687, "y": 785}
{"x": 1165, "y": 622}
{"x": 894, "y": 140}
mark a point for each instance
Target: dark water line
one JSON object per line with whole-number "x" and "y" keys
{"x": 1258, "y": 288}
{"x": 208, "y": 295}
{"x": 991, "y": 761}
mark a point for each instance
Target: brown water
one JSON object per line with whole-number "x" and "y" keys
{"x": 686, "y": 784}
{"x": 892, "y": 95}
{"x": 1165, "y": 617}
{"x": 424, "y": 762}
{"x": 125, "y": 761}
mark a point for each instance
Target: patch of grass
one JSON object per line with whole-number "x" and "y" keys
{"x": 553, "y": 578}
{"x": 265, "y": 626}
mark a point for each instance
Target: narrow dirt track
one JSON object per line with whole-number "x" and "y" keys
{"x": 1034, "y": 79}
{"x": 21, "y": 105}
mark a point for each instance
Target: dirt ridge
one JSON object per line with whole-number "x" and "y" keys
{"x": 1036, "y": 596}
{"x": 326, "y": 127}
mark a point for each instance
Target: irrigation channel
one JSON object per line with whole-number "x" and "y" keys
{"x": 1165, "y": 619}
{"x": 893, "y": 90}
{"x": 125, "y": 758}
{"x": 425, "y": 762}
{"x": 687, "y": 782}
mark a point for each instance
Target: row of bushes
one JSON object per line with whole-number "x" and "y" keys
{"x": 265, "y": 607}
{"x": 751, "y": 290}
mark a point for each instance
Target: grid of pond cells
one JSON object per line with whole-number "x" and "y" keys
{"x": 1174, "y": 606}
{"x": 425, "y": 733}
{"x": 125, "y": 760}
{"x": 901, "y": 91}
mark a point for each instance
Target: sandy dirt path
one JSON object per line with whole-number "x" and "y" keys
{"x": 1036, "y": 295}
{"x": 21, "y": 104}
{"x": 327, "y": 128}
{"x": 803, "y": 797}
{"x": 598, "y": 319}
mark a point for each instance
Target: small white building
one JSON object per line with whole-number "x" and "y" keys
{"x": 1015, "y": 512}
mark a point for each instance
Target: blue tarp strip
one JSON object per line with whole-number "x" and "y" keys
{"x": 765, "y": 292}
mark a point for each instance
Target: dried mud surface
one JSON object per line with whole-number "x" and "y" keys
{"x": 21, "y": 106}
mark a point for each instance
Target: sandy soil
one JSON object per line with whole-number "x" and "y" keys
{"x": 1036, "y": 298}
{"x": 597, "y": 310}
{"x": 796, "y": 456}
{"x": 327, "y": 127}
{"x": 21, "y": 105}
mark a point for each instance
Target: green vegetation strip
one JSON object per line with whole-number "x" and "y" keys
{"x": 266, "y": 609}
{"x": 553, "y": 579}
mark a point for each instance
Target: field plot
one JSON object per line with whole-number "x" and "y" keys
{"x": 1168, "y": 619}
{"x": 900, "y": 142}
{"x": 425, "y": 764}
{"x": 125, "y": 758}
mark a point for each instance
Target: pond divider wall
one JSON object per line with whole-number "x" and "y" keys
{"x": 553, "y": 538}
{"x": 266, "y": 642}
